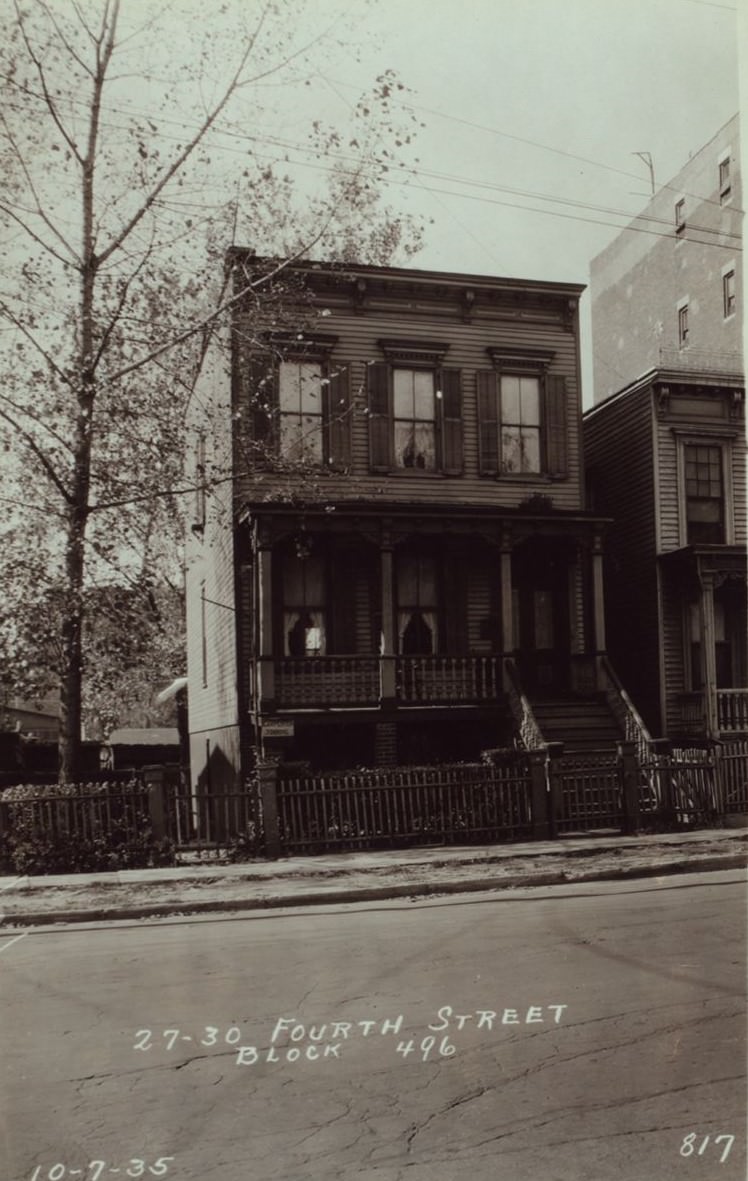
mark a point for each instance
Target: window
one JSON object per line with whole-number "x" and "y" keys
{"x": 522, "y": 423}
{"x": 683, "y": 325}
{"x": 728, "y": 293}
{"x": 304, "y": 604}
{"x": 415, "y": 418}
{"x": 725, "y": 183}
{"x": 680, "y": 216}
{"x": 415, "y": 410}
{"x": 300, "y": 404}
{"x": 203, "y": 636}
{"x": 519, "y": 400}
{"x": 300, "y": 410}
{"x": 705, "y": 499}
{"x": 417, "y": 605}
{"x": 200, "y": 491}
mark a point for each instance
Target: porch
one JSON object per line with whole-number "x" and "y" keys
{"x": 730, "y": 709}
{"x": 337, "y": 681}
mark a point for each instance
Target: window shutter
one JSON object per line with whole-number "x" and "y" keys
{"x": 488, "y": 422}
{"x": 380, "y": 425}
{"x": 450, "y": 403}
{"x": 555, "y": 426}
{"x": 337, "y": 404}
{"x": 262, "y": 394}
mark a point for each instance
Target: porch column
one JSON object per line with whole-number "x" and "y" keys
{"x": 387, "y": 653}
{"x": 507, "y": 610}
{"x": 598, "y": 602}
{"x": 708, "y": 655}
{"x": 265, "y": 663}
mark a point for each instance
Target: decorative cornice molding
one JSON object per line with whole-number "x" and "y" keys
{"x": 520, "y": 360}
{"x": 410, "y": 352}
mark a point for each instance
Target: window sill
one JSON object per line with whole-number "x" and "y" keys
{"x": 522, "y": 477}
{"x": 410, "y": 473}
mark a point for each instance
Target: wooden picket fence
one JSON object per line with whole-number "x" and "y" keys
{"x": 406, "y": 806}
{"x": 518, "y": 795}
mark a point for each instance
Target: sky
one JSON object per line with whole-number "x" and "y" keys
{"x": 555, "y": 98}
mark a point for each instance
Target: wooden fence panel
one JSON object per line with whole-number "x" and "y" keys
{"x": 418, "y": 805}
{"x": 588, "y": 790}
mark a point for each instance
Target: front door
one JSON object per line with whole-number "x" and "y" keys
{"x": 541, "y": 620}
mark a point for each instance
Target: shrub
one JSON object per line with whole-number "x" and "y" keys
{"x": 78, "y": 838}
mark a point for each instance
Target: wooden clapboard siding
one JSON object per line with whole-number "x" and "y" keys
{"x": 674, "y": 652}
{"x": 482, "y": 603}
{"x": 619, "y": 455}
{"x": 668, "y": 501}
{"x": 739, "y": 488}
{"x": 357, "y": 347}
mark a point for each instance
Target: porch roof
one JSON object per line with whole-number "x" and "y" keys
{"x": 725, "y": 560}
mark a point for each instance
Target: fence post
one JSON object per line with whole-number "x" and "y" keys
{"x": 554, "y": 750}
{"x": 154, "y": 781}
{"x": 629, "y": 772}
{"x": 267, "y": 774}
{"x": 4, "y": 813}
{"x": 539, "y": 796}
{"x": 720, "y": 795}
{"x": 662, "y": 749}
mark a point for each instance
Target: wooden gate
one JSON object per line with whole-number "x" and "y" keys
{"x": 587, "y": 792}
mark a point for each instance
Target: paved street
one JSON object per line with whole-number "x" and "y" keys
{"x": 584, "y": 1032}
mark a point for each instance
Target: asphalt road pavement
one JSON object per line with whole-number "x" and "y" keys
{"x": 585, "y": 1032}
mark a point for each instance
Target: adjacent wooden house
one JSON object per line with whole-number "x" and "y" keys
{"x": 390, "y": 560}
{"x": 665, "y": 449}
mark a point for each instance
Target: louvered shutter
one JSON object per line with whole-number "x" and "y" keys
{"x": 337, "y": 410}
{"x": 262, "y": 398}
{"x": 380, "y": 421}
{"x": 488, "y": 421}
{"x": 450, "y": 403}
{"x": 555, "y": 428}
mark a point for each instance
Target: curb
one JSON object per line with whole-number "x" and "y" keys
{"x": 379, "y": 893}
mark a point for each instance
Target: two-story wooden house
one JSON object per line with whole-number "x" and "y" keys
{"x": 665, "y": 448}
{"x": 399, "y": 567}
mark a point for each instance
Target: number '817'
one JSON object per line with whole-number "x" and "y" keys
{"x": 688, "y": 1147}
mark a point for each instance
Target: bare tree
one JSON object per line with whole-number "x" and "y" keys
{"x": 126, "y": 179}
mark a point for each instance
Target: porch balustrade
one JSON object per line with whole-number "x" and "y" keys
{"x": 447, "y": 678}
{"x": 732, "y": 710}
{"x": 319, "y": 681}
{"x": 327, "y": 680}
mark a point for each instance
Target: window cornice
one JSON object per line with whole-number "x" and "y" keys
{"x": 297, "y": 345}
{"x": 413, "y": 352}
{"x": 520, "y": 360}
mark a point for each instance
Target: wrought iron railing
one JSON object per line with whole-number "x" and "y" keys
{"x": 530, "y": 735}
{"x": 626, "y": 713}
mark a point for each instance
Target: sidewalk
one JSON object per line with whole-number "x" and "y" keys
{"x": 363, "y": 876}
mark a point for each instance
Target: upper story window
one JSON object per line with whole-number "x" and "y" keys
{"x": 415, "y": 410}
{"x": 522, "y": 416}
{"x": 299, "y": 400}
{"x": 683, "y": 324}
{"x": 300, "y": 411}
{"x": 728, "y": 292}
{"x": 705, "y": 494}
{"x": 680, "y": 216}
{"x": 414, "y": 403}
{"x": 725, "y": 180}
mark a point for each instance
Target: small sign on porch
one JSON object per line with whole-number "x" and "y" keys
{"x": 277, "y": 728}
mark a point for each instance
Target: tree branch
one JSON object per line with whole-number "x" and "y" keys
{"x": 19, "y": 324}
{"x": 45, "y": 91}
{"x": 188, "y": 150}
{"x": 36, "y": 449}
{"x": 32, "y": 189}
{"x": 39, "y": 420}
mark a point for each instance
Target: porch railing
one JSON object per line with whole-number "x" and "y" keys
{"x": 447, "y": 678}
{"x": 732, "y": 710}
{"x": 625, "y": 711}
{"x": 528, "y": 729}
{"x": 327, "y": 680}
